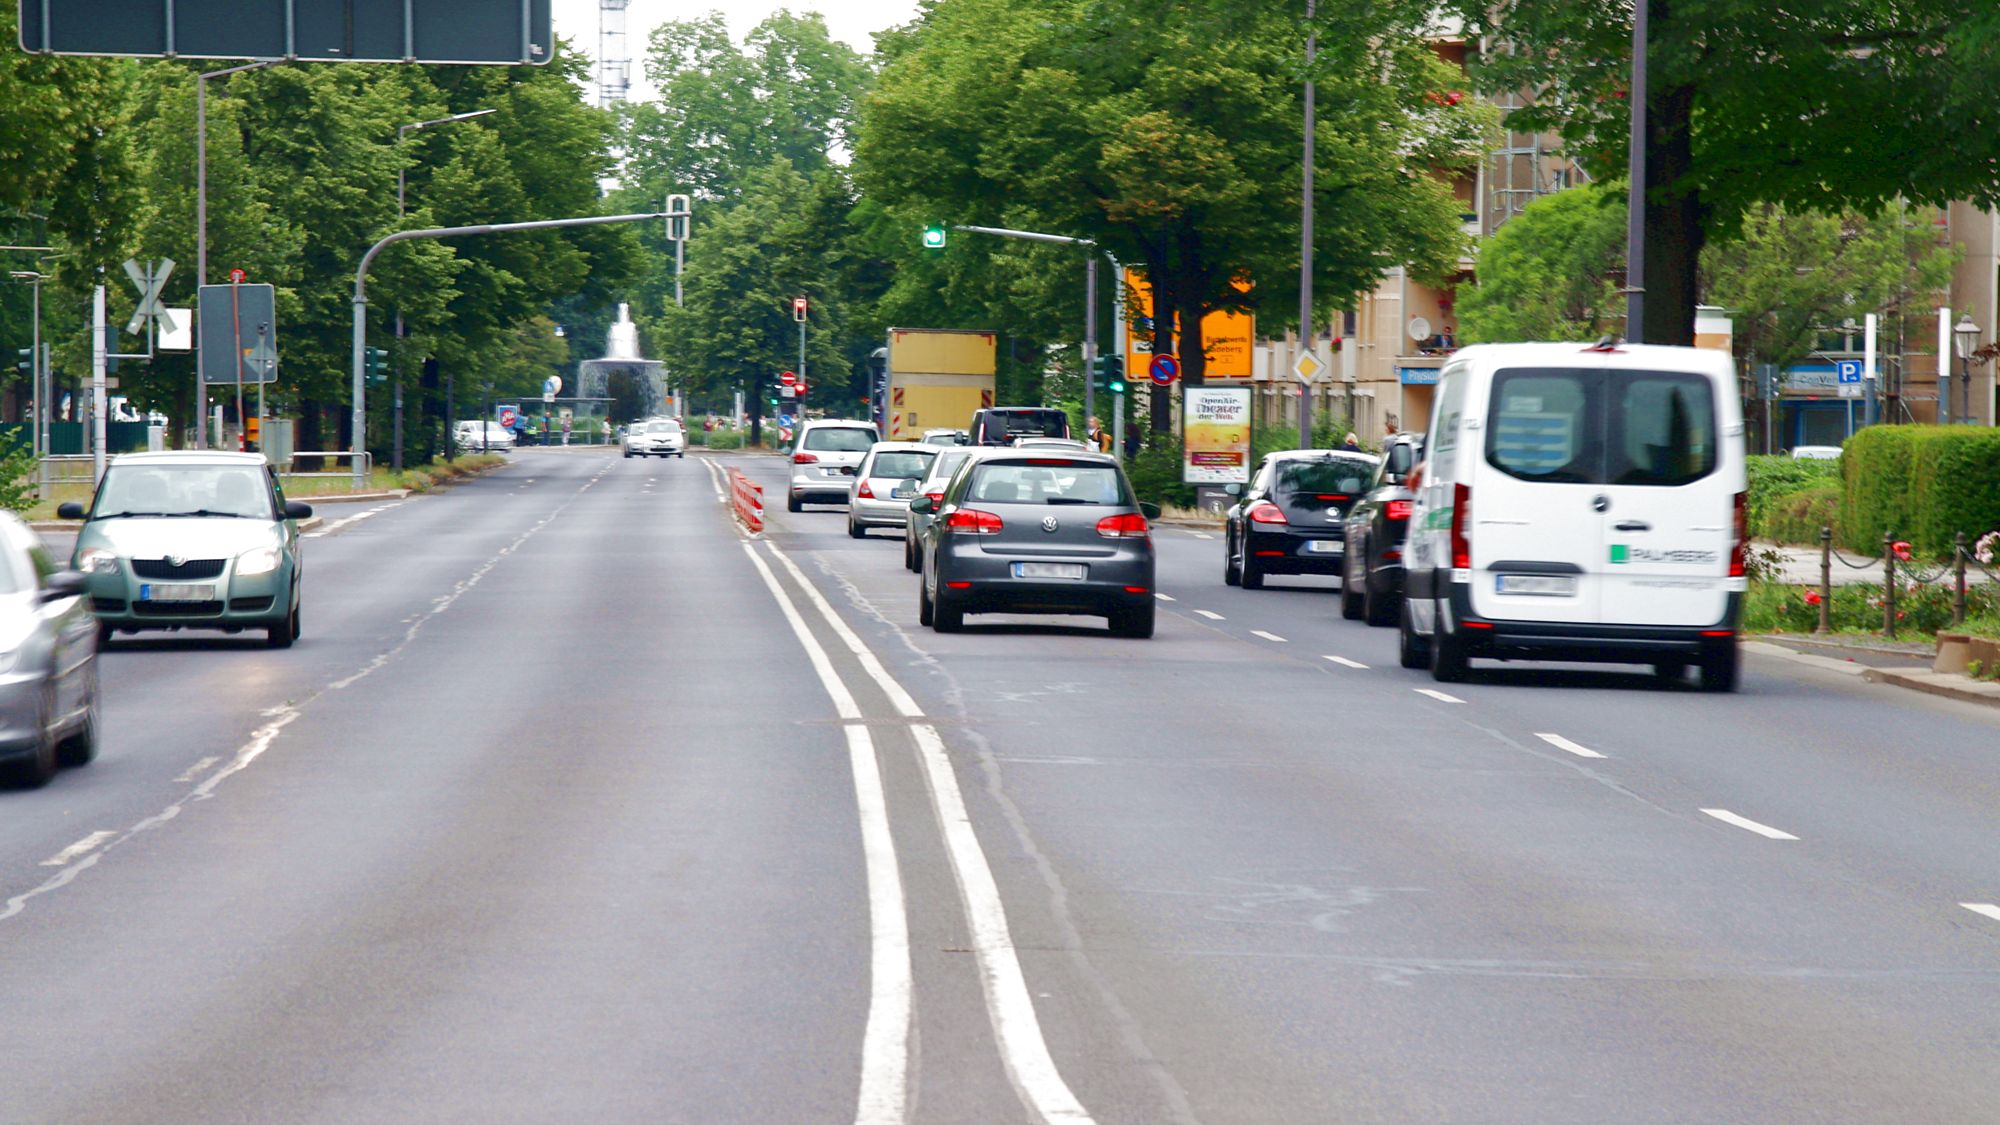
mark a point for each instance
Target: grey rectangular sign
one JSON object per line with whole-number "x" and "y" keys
{"x": 238, "y": 321}
{"x": 493, "y": 32}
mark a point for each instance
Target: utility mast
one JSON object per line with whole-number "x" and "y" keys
{"x": 614, "y": 56}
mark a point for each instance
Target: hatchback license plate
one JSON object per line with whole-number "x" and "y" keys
{"x": 902, "y": 493}
{"x": 1544, "y": 585}
{"x": 1325, "y": 546}
{"x": 1072, "y": 572}
{"x": 176, "y": 592}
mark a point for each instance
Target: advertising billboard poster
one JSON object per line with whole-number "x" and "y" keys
{"x": 1215, "y": 435}
{"x": 1225, "y": 336}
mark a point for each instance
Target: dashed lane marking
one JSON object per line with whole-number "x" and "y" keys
{"x": 1346, "y": 663}
{"x": 1211, "y": 614}
{"x": 1441, "y": 697}
{"x": 1201, "y": 535}
{"x": 1561, "y": 743}
{"x": 1162, "y": 597}
{"x": 1268, "y": 636}
{"x": 1765, "y": 830}
{"x": 1986, "y": 908}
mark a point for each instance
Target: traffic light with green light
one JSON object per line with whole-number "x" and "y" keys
{"x": 934, "y": 236}
{"x": 375, "y": 361}
{"x": 27, "y": 363}
{"x": 1110, "y": 373}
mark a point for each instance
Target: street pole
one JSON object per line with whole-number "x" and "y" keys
{"x": 1118, "y": 341}
{"x": 1089, "y": 337}
{"x": 358, "y": 436}
{"x": 1306, "y": 226}
{"x": 98, "y": 353}
{"x": 201, "y": 221}
{"x": 1635, "y": 192}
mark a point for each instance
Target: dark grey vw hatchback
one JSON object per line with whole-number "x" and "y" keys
{"x": 1037, "y": 532}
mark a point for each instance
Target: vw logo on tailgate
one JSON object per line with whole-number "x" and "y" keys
{"x": 1049, "y": 523}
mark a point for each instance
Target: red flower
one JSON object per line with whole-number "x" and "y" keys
{"x": 1901, "y": 549}
{"x": 1812, "y": 597}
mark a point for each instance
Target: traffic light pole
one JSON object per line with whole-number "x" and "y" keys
{"x": 358, "y": 439}
{"x": 1089, "y": 297}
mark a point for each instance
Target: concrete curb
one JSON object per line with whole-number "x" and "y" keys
{"x": 1950, "y": 685}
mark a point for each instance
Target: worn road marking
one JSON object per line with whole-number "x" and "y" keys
{"x": 1727, "y": 817}
{"x": 1268, "y": 636}
{"x": 1441, "y": 697}
{"x": 87, "y": 844}
{"x": 1162, "y": 597}
{"x": 1201, "y": 535}
{"x": 1210, "y": 614}
{"x": 1561, "y": 743}
{"x": 336, "y": 525}
{"x": 188, "y": 774}
{"x": 1346, "y": 663}
{"x": 1986, "y": 908}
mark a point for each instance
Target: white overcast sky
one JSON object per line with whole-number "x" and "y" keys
{"x": 854, "y": 21}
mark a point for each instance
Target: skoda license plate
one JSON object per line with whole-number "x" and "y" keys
{"x": 1545, "y": 585}
{"x": 1325, "y": 546}
{"x": 1071, "y": 572}
{"x": 176, "y": 592}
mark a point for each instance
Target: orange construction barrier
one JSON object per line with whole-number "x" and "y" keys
{"x": 746, "y": 500}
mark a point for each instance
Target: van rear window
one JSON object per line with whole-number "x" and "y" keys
{"x": 1591, "y": 426}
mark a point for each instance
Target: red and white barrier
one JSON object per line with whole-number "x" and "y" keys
{"x": 746, "y": 500}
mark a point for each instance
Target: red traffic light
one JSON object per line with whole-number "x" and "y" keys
{"x": 798, "y": 308}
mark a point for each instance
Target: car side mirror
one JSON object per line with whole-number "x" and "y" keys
{"x": 297, "y": 511}
{"x": 922, "y": 506}
{"x": 69, "y": 510}
{"x": 64, "y": 584}
{"x": 1148, "y": 509}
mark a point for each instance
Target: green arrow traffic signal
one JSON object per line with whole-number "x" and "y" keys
{"x": 934, "y": 237}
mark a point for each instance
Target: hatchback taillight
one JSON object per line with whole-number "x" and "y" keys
{"x": 972, "y": 521}
{"x": 1739, "y": 550}
{"x": 864, "y": 492}
{"x": 1461, "y": 527}
{"x": 1263, "y": 511}
{"x": 1131, "y": 525}
{"x": 804, "y": 458}
{"x": 1396, "y": 510}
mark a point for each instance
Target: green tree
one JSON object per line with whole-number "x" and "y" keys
{"x": 1839, "y": 104}
{"x": 1552, "y": 272}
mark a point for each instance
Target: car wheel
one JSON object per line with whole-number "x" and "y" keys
{"x": 1377, "y": 606}
{"x": 40, "y": 765}
{"x": 1350, "y": 597}
{"x": 1670, "y": 671}
{"x": 855, "y": 530}
{"x": 1412, "y": 651}
{"x": 80, "y": 748}
{"x": 1247, "y": 573}
{"x": 912, "y": 562}
{"x": 103, "y": 634}
{"x": 284, "y": 632}
{"x": 926, "y": 613}
{"x": 1232, "y": 574}
{"x": 792, "y": 503}
{"x": 1719, "y": 668}
{"x": 1135, "y": 622}
{"x": 628, "y": 455}
{"x": 1448, "y": 660}
{"x": 947, "y": 617}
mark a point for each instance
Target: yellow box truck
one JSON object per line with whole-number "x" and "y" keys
{"x": 937, "y": 377}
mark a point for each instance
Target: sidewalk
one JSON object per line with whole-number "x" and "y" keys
{"x": 1800, "y": 566}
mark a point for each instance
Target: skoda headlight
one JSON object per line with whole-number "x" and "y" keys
{"x": 97, "y": 560}
{"x": 263, "y": 560}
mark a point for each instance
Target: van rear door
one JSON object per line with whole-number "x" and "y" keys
{"x": 1669, "y": 500}
{"x": 1536, "y": 540}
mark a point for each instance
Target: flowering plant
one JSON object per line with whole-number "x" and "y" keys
{"x": 1901, "y": 549}
{"x": 1987, "y": 547}
{"x": 1812, "y": 597}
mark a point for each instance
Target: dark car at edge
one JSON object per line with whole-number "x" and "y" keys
{"x": 1291, "y": 519}
{"x": 1372, "y": 579}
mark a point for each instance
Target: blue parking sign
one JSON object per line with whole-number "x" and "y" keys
{"x": 1849, "y": 370}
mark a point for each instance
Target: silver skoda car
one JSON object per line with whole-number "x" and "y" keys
{"x": 48, "y": 661}
{"x": 1038, "y": 531}
{"x": 191, "y": 540}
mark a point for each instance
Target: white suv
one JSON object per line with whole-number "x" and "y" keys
{"x": 656, "y": 437}
{"x": 1579, "y": 503}
{"x": 824, "y": 456}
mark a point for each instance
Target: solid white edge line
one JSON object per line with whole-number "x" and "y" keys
{"x": 715, "y": 479}
{"x": 1986, "y": 908}
{"x": 1345, "y": 662}
{"x": 1441, "y": 697}
{"x": 80, "y": 847}
{"x": 885, "y": 1043}
{"x": 1016, "y": 1027}
{"x": 1210, "y": 614}
{"x": 1561, "y": 743}
{"x": 1269, "y": 636}
{"x": 1727, "y": 817}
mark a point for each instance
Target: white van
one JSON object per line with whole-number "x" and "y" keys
{"x": 1579, "y": 503}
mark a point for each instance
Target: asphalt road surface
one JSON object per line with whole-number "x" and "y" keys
{"x": 572, "y": 804}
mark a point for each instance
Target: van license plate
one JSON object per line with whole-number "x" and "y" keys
{"x": 1325, "y": 546}
{"x": 1544, "y": 585}
{"x": 173, "y": 592}
{"x": 1069, "y": 572}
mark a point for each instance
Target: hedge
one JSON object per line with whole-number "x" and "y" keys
{"x": 1796, "y": 517}
{"x": 1774, "y": 476}
{"x": 1920, "y": 483}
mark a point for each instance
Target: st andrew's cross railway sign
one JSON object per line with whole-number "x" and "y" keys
{"x": 495, "y": 32}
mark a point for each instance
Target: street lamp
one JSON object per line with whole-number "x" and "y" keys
{"x": 35, "y": 278}
{"x": 396, "y": 452}
{"x": 1965, "y": 340}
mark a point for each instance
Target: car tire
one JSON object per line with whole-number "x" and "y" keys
{"x": 1720, "y": 667}
{"x": 855, "y": 530}
{"x": 1377, "y": 607}
{"x": 947, "y": 617}
{"x": 35, "y": 771}
{"x": 1135, "y": 622}
{"x": 1449, "y": 663}
{"x": 284, "y": 632}
{"x": 80, "y": 748}
{"x": 104, "y": 632}
{"x": 926, "y": 613}
{"x": 793, "y": 503}
{"x": 1670, "y": 671}
{"x": 1350, "y": 597}
{"x": 1412, "y": 651}
{"x": 1247, "y": 574}
{"x": 1232, "y": 574}
{"x": 912, "y": 562}
{"x": 628, "y": 455}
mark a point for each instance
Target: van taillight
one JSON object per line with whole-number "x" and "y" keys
{"x": 1739, "y": 549}
{"x": 1396, "y": 510}
{"x": 1131, "y": 525}
{"x": 972, "y": 521}
{"x": 804, "y": 458}
{"x": 1461, "y": 527}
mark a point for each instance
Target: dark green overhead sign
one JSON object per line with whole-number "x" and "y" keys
{"x": 492, "y": 32}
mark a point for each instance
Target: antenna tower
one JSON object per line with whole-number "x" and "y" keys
{"x": 614, "y": 57}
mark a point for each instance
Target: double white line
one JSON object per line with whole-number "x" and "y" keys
{"x": 885, "y": 1044}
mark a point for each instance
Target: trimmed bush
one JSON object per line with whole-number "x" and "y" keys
{"x": 1773, "y": 476}
{"x": 1922, "y": 483}
{"x": 1796, "y": 517}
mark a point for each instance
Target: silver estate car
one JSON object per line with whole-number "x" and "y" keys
{"x": 191, "y": 539}
{"x": 48, "y": 661}
{"x": 1038, "y": 531}
{"x": 885, "y": 483}
{"x": 916, "y": 522}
